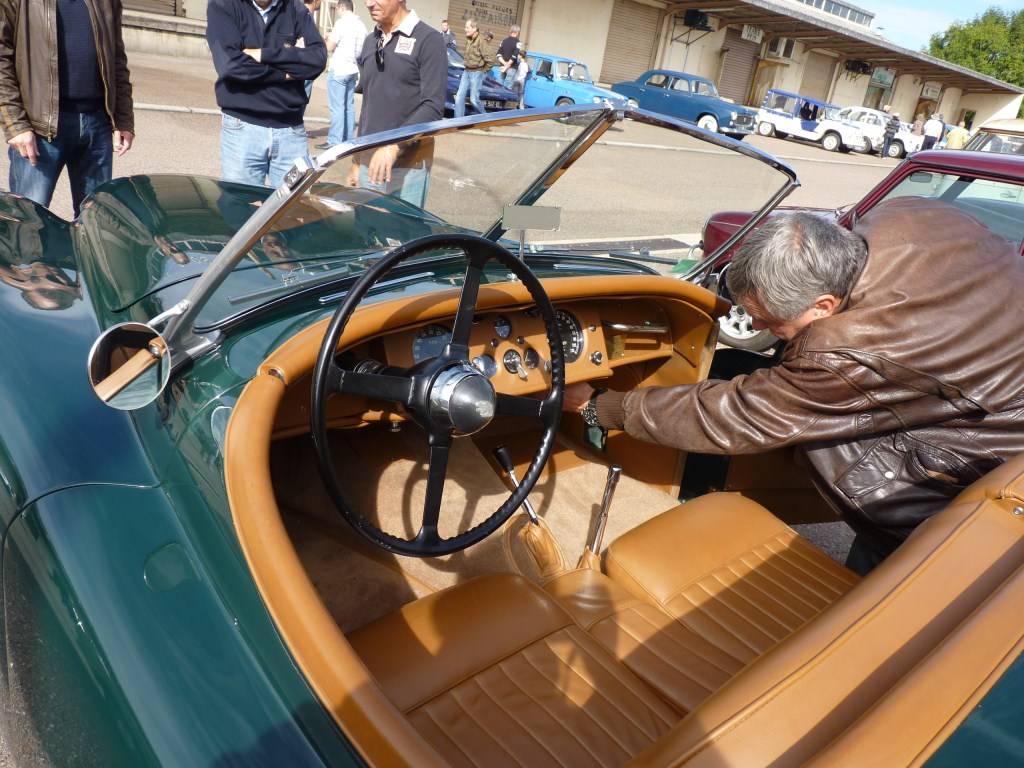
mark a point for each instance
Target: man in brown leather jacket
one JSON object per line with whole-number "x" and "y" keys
{"x": 65, "y": 94}
{"x": 903, "y": 378}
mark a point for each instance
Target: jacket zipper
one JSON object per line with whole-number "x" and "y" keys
{"x": 51, "y": 29}
{"x": 101, "y": 60}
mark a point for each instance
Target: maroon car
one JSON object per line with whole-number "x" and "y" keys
{"x": 988, "y": 186}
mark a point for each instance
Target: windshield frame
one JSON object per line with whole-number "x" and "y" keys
{"x": 187, "y": 342}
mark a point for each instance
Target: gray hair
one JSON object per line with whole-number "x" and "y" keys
{"x": 790, "y": 260}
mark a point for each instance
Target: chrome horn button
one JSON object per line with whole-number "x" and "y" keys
{"x": 462, "y": 399}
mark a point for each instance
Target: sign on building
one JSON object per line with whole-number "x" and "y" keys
{"x": 752, "y": 34}
{"x": 931, "y": 91}
{"x": 494, "y": 16}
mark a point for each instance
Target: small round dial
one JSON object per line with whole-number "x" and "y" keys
{"x": 512, "y": 361}
{"x": 502, "y": 327}
{"x": 486, "y": 365}
{"x": 429, "y": 342}
{"x": 572, "y": 335}
{"x": 531, "y": 358}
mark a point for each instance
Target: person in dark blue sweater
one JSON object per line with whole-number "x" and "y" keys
{"x": 264, "y": 51}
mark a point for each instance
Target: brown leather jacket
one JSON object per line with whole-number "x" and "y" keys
{"x": 908, "y": 394}
{"x": 28, "y": 65}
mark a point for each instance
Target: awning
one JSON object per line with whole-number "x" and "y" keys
{"x": 816, "y": 31}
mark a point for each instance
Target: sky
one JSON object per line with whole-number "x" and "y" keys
{"x": 911, "y": 23}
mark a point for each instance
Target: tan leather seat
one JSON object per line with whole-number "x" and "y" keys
{"x": 699, "y": 592}
{"x": 493, "y": 672}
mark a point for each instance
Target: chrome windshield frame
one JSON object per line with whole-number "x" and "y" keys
{"x": 185, "y": 343}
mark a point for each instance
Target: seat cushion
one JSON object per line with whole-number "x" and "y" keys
{"x": 493, "y": 672}
{"x": 730, "y": 572}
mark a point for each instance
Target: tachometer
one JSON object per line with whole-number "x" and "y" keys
{"x": 572, "y": 335}
{"x": 430, "y": 342}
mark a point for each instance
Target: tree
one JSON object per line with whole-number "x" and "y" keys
{"x": 992, "y": 43}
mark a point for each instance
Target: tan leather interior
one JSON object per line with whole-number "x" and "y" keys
{"x": 714, "y": 637}
{"x": 494, "y": 673}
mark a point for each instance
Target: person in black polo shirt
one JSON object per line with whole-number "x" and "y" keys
{"x": 71, "y": 50}
{"x": 508, "y": 57}
{"x": 403, "y": 72}
{"x": 264, "y": 51}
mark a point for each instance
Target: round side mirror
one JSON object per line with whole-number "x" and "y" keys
{"x": 129, "y": 366}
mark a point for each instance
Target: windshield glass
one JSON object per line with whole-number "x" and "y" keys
{"x": 575, "y": 72}
{"x": 1003, "y": 144}
{"x": 999, "y": 205}
{"x": 455, "y": 59}
{"x": 640, "y": 190}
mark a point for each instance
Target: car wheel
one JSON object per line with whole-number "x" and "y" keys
{"x": 736, "y": 329}
{"x": 737, "y": 136}
{"x": 780, "y": 134}
{"x": 765, "y": 128}
{"x": 896, "y": 150}
{"x": 832, "y": 141}
{"x": 564, "y": 102}
{"x": 708, "y": 123}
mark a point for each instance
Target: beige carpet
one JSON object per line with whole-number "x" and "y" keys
{"x": 383, "y": 475}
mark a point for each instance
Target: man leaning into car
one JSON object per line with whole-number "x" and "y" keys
{"x": 82, "y": 63}
{"x": 901, "y": 382}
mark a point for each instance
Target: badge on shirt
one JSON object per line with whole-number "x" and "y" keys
{"x": 405, "y": 45}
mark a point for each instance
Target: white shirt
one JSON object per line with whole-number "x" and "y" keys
{"x": 265, "y": 12}
{"x": 933, "y": 128}
{"x": 406, "y": 27}
{"x": 347, "y": 34}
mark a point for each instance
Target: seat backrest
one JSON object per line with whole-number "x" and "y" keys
{"x": 791, "y": 703}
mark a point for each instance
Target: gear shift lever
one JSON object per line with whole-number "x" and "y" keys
{"x": 505, "y": 460}
{"x": 594, "y": 545}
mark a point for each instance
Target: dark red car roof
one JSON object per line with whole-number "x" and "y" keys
{"x": 972, "y": 162}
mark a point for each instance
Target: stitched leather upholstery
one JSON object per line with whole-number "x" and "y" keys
{"x": 701, "y": 591}
{"x": 493, "y": 672}
{"x": 730, "y": 572}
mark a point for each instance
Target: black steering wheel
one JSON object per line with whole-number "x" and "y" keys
{"x": 445, "y": 395}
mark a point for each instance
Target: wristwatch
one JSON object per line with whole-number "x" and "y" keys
{"x": 589, "y": 412}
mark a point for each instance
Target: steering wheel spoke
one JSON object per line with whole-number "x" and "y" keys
{"x": 467, "y": 302}
{"x": 437, "y": 470}
{"x": 519, "y": 405}
{"x": 376, "y": 386}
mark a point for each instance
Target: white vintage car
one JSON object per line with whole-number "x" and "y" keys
{"x": 786, "y": 114}
{"x": 872, "y": 123}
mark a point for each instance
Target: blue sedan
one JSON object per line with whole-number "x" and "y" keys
{"x": 691, "y": 98}
{"x": 493, "y": 94}
{"x": 559, "y": 80}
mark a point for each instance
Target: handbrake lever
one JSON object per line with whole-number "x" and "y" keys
{"x": 505, "y": 460}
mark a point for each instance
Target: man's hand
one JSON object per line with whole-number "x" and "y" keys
{"x": 123, "y": 141}
{"x": 576, "y": 396}
{"x": 254, "y": 53}
{"x": 381, "y": 163}
{"x": 25, "y": 144}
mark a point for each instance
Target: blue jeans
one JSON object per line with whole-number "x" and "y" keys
{"x": 250, "y": 153}
{"x": 471, "y": 81}
{"x": 510, "y": 78}
{"x": 409, "y": 183}
{"x": 341, "y": 92}
{"x": 84, "y": 143}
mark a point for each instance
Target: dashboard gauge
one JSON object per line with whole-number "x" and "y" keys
{"x": 502, "y": 327}
{"x": 572, "y": 335}
{"x": 531, "y": 358}
{"x": 430, "y": 342}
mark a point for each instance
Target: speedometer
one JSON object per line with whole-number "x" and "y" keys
{"x": 571, "y": 331}
{"x": 429, "y": 342}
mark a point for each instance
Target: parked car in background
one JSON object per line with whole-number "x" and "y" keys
{"x": 1002, "y": 136}
{"x": 786, "y": 114}
{"x": 989, "y": 186}
{"x": 691, "y": 98}
{"x": 872, "y": 123}
{"x": 558, "y": 81}
{"x": 495, "y": 96}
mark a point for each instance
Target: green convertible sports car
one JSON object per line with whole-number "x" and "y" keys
{"x": 286, "y": 482}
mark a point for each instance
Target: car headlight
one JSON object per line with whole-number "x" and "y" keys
{"x": 633, "y": 104}
{"x": 733, "y": 115}
{"x": 597, "y": 99}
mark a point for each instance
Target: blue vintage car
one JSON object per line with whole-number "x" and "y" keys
{"x": 558, "y": 81}
{"x": 493, "y": 94}
{"x": 691, "y": 98}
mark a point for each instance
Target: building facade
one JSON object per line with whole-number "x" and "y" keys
{"x": 825, "y": 49}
